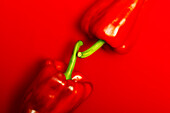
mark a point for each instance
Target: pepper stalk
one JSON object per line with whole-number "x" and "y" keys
{"x": 92, "y": 49}
{"x": 72, "y": 62}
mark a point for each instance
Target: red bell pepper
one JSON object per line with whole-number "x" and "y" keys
{"x": 54, "y": 91}
{"x": 113, "y": 23}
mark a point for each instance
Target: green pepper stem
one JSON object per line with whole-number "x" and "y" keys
{"x": 72, "y": 62}
{"x": 91, "y": 50}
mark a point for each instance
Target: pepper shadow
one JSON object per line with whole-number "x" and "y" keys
{"x": 22, "y": 85}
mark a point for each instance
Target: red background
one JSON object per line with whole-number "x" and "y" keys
{"x": 34, "y": 30}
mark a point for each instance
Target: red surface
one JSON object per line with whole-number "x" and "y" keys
{"x": 137, "y": 82}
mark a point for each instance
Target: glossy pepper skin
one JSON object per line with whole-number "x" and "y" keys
{"x": 52, "y": 93}
{"x": 113, "y": 22}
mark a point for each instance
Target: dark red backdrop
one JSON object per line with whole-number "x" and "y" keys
{"x": 34, "y": 30}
